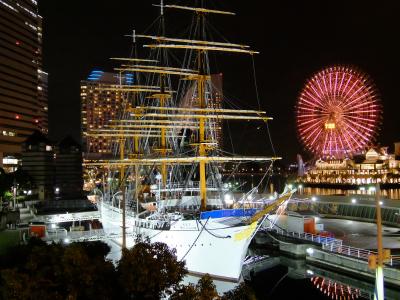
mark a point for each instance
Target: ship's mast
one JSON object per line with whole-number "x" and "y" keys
{"x": 162, "y": 120}
{"x": 202, "y": 104}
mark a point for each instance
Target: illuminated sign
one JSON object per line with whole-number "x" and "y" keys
{"x": 330, "y": 126}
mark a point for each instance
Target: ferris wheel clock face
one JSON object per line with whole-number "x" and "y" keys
{"x": 338, "y": 113}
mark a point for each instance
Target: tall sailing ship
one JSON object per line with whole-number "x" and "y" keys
{"x": 164, "y": 181}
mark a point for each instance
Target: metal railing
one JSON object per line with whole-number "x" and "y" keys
{"x": 359, "y": 253}
{"x": 349, "y": 251}
{"x": 315, "y": 238}
{"x": 74, "y": 235}
{"x": 54, "y": 235}
{"x": 336, "y": 246}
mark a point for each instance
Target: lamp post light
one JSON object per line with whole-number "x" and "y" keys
{"x": 15, "y": 194}
{"x": 159, "y": 177}
{"x": 379, "y": 279}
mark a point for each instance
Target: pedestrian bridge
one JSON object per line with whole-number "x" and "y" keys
{"x": 355, "y": 207}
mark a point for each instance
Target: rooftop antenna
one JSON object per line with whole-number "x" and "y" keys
{"x": 162, "y": 7}
{"x": 134, "y": 36}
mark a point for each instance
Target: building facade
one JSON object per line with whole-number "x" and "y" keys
{"x": 99, "y": 106}
{"x": 68, "y": 169}
{"x": 374, "y": 166}
{"x": 23, "y": 101}
{"x": 215, "y": 101}
{"x": 38, "y": 161}
{"x": 56, "y": 168}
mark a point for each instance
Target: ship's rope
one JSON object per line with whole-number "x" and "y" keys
{"x": 154, "y": 235}
{"x": 259, "y": 105}
{"x": 187, "y": 252}
{"x": 214, "y": 235}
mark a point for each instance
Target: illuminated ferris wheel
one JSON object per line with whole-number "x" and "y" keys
{"x": 338, "y": 113}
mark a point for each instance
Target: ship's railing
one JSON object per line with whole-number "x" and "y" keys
{"x": 153, "y": 224}
{"x": 107, "y": 205}
{"x": 315, "y": 238}
{"x": 189, "y": 185}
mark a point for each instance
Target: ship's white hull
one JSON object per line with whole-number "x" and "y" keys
{"x": 206, "y": 246}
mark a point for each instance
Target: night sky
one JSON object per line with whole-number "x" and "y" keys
{"x": 295, "y": 38}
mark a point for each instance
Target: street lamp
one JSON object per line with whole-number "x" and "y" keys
{"x": 159, "y": 177}
{"x": 15, "y": 193}
{"x": 376, "y": 261}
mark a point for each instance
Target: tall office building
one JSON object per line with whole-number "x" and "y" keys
{"x": 23, "y": 96}
{"x": 43, "y": 121}
{"x": 99, "y": 107}
{"x": 215, "y": 101}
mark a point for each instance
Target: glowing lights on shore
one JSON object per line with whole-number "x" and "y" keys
{"x": 338, "y": 112}
{"x": 228, "y": 199}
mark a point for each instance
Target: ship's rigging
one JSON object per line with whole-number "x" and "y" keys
{"x": 157, "y": 140}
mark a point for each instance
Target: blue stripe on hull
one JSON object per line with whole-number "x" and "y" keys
{"x": 224, "y": 213}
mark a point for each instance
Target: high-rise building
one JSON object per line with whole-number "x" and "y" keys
{"x": 99, "y": 106}
{"x": 23, "y": 96}
{"x": 215, "y": 101}
{"x": 43, "y": 121}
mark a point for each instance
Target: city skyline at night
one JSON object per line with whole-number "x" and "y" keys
{"x": 292, "y": 49}
{"x": 199, "y": 149}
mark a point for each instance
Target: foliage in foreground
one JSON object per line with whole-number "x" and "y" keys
{"x": 81, "y": 271}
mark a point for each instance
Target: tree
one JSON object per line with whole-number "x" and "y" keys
{"x": 204, "y": 290}
{"x": 80, "y": 271}
{"x": 147, "y": 271}
{"x": 58, "y": 272}
{"x": 241, "y": 292}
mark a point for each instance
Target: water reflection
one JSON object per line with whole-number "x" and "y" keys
{"x": 334, "y": 289}
{"x": 295, "y": 276}
{"x": 387, "y": 193}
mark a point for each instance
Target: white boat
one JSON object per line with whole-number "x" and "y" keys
{"x": 216, "y": 243}
{"x": 188, "y": 216}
